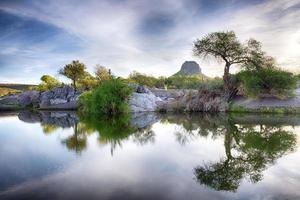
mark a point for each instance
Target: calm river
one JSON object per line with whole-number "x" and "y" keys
{"x": 60, "y": 155}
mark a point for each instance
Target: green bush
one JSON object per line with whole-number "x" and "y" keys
{"x": 142, "y": 79}
{"x": 267, "y": 81}
{"x": 48, "y": 83}
{"x": 111, "y": 97}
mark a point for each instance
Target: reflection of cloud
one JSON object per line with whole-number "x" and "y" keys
{"x": 149, "y": 36}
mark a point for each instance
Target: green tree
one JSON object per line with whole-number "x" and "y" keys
{"x": 102, "y": 73}
{"x": 74, "y": 71}
{"x": 87, "y": 82}
{"x": 48, "y": 83}
{"x": 142, "y": 79}
{"x": 226, "y": 47}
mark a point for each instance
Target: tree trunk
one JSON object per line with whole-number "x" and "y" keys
{"x": 226, "y": 77}
{"x": 74, "y": 84}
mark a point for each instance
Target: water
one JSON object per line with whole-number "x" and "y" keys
{"x": 58, "y": 155}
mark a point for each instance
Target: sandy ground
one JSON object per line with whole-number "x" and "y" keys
{"x": 269, "y": 102}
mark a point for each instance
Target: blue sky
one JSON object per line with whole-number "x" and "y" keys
{"x": 150, "y": 36}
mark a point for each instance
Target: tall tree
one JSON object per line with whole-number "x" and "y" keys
{"x": 102, "y": 73}
{"x": 73, "y": 71}
{"x": 224, "y": 46}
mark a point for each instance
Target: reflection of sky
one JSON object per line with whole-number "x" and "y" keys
{"x": 160, "y": 170}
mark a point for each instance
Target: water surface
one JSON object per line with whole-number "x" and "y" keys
{"x": 59, "y": 155}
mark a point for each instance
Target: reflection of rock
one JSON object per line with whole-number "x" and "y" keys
{"x": 142, "y": 120}
{"x": 58, "y": 118}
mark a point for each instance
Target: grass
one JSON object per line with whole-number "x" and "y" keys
{"x": 5, "y": 91}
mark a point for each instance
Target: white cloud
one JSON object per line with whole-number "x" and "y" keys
{"x": 110, "y": 36}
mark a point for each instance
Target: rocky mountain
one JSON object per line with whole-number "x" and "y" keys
{"x": 189, "y": 68}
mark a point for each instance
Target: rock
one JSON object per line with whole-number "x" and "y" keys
{"x": 201, "y": 101}
{"x": 28, "y": 98}
{"x": 189, "y": 68}
{"x": 57, "y": 98}
{"x": 142, "y": 102}
{"x": 142, "y": 89}
{"x": 57, "y": 101}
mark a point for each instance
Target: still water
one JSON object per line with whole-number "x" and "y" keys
{"x": 59, "y": 155}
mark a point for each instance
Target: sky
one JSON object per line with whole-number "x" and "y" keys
{"x": 150, "y": 36}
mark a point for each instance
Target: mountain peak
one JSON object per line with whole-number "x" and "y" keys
{"x": 189, "y": 68}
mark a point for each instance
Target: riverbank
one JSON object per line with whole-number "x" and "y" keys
{"x": 151, "y": 100}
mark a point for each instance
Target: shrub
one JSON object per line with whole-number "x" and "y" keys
{"x": 48, "y": 83}
{"x": 110, "y": 97}
{"x": 267, "y": 81}
{"x": 142, "y": 79}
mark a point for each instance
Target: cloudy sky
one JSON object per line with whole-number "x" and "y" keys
{"x": 150, "y": 36}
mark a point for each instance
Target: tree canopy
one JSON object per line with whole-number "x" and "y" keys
{"x": 226, "y": 47}
{"x": 74, "y": 71}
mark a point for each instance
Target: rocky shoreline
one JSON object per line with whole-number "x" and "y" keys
{"x": 150, "y": 100}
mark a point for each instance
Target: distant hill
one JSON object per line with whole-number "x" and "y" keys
{"x": 15, "y": 86}
{"x": 190, "y": 68}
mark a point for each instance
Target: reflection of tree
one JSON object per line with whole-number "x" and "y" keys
{"x": 194, "y": 126}
{"x": 115, "y": 130}
{"x": 255, "y": 146}
{"x": 78, "y": 140}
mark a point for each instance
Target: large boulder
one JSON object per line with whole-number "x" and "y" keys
{"x": 59, "y": 98}
{"x": 20, "y": 101}
{"x": 143, "y": 102}
{"x": 28, "y": 98}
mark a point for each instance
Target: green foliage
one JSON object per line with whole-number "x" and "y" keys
{"x": 267, "y": 81}
{"x": 48, "y": 83}
{"x": 74, "y": 71}
{"x": 87, "y": 82}
{"x": 102, "y": 74}
{"x": 175, "y": 82}
{"x": 110, "y": 97}
{"x": 142, "y": 79}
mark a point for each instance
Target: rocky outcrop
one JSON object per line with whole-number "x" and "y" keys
{"x": 189, "y": 68}
{"x": 57, "y": 98}
{"x": 196, "y": 101}
{"x": 143, "y": 100}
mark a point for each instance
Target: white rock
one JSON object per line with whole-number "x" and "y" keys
{"x": 57, "y": 101}
{"x": 142, "y": 102}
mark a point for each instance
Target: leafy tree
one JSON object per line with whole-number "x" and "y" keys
{"x": 48, "y": 83}
{"x": 74, "y": 71}
{"x": 224, "y": 46}
{"x": 267, "y": 80}
{"x": 87, "y": 82}
{"x": 142, "y": 79}
{"x": 102, "y": 73}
